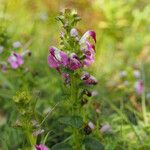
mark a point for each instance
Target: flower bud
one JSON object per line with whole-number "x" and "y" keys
{"x": 73, "y": 32}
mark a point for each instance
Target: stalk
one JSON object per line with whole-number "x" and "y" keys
{"x": 74, "y": 98}
{"x": 143, "y": 97}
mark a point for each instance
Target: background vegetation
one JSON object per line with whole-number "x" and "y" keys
{"x": 123, "y": 48}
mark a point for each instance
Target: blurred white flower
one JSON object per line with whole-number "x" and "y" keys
{"x": 106, "y": 128}
{"x": 137, "y": 73}
{"x": 16, "y": 44}
{"x": 1, "y": 49}
{"x": 43, "y": 16}
{"x": 148, "y": 95}
{"x": 94, "y": 93}
{"x": 91, "y": 125}
{"x": 122, "y": 74}
{"x": 126, "y": 83}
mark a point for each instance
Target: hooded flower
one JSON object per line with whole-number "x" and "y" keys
{"x": 73, "y": 32}
{"x": 89, "y": 33}
{"x": 15, "y": 60}
{"x": 74, "y": 62}
{"x": 57, "y": 58}
{"x": 41, "y": 147}
{"x": 87, "y": 48}
{"x": 88, "y": 79}
{"x": 89, "y": 54}
{"x": 139, "y": 87}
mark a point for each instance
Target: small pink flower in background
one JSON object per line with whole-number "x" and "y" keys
{"x": 41, "y": 147}
{"x": 15, "y": 60}
{"x": 139, "y": 87}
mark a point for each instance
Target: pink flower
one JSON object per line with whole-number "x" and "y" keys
{"x": 89, "y": 33}
{"x": 15, "y": 60}
{"x": 139, "y": 87}
{"x": 41, "y": 147}
{"x": 88, "y": 48}
{"x": 89, "y": 54}
{"x": 74, "y": 62}
{"x": 57, "y": 58}
{"x": 88, "y": 79}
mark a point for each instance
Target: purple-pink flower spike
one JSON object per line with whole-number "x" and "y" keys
{"x": 15, "y": 60}
{"x": 41, "y": 147}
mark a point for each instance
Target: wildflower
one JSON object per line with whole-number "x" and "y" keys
{"x": 148, "y": 95}
{"x": 73, "y": 32}
{"x": 43, "y": 16}
{"x": 62, "y": 34}
{"x": 41, "y": 147}
{"x": 89, "y": 33}
{"x": 88, "y": 79}
{"x": 89, "y": 54}
{"x": 122, "y": 74}
{"x": 16, "y": 44}
{"x": 137, "y": 73}
{"x": 91, "y": 125}
{"x": 74, "y": 62}
{"x": 126, "y": 83}
{"x": 57, "y": 58}
{"x": 106, "y": 128}
{"x": 139, "y": 87}
{"x": 15, "y": 60}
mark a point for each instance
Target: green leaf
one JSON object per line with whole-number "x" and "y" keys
{"x": 61, "y": 146}
{"x": 74, "y": 121}
{"x": 91, "y": 143}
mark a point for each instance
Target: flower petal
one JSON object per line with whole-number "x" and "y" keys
{"x": 89, "y": 33}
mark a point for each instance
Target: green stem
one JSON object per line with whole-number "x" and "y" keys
{"x": 74, "y": 102}
{"x": 143, "y": 97}
{"x": 31, "y": 139}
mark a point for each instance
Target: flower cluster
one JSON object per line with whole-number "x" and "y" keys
{"x": 58, "y": 58}
{"x": 15, "y": 60}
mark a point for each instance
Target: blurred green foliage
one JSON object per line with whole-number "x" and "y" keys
{"x": 123, "y": 44}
